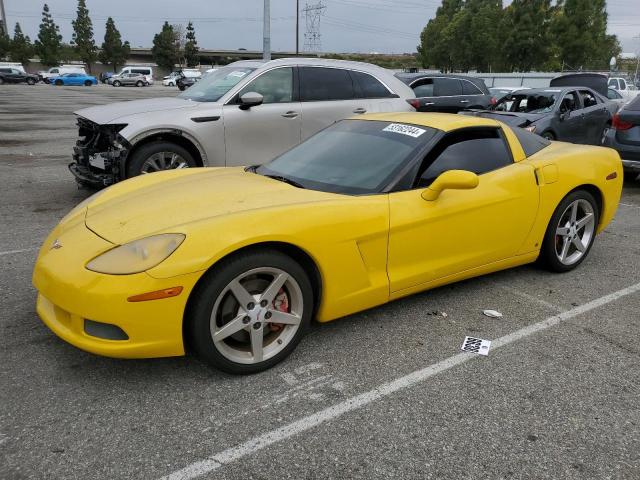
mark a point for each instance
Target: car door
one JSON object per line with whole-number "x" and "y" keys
{"x": 462, "y": 229}
{"x": 327, "y": 95}
{"x": 595, "y": 116}
{"x": 259, "y": 133}
{"x": 378, "y": 97}
{"x": 448, "y": 95}
{"x": 568, "y": 124}
{"x": 15, "y": 75}
{"x": 472, "y": 96}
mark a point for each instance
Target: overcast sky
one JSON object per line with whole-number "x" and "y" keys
{"x": 386, "y": 26}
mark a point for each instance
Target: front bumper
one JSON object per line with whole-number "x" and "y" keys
{"x": 69, "y": 294}
{"x": 631, "y": 165}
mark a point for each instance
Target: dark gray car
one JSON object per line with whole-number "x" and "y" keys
{"x": 573, "y": 114}
{"x": 447, "y": 93}
{"x": 624, "y": 136}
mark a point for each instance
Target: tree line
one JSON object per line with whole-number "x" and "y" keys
{"x": 173, "y": 45}
{"x": 526, "y": 35}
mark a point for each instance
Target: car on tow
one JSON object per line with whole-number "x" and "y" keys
{"x": 14, "y": 75}
{"x": 624, "y": 136}
{"x": 245, "y": 111}
{"x": 233, "y": 264}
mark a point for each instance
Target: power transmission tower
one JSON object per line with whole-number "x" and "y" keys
{"x": 4, "y": 28}
{"x": 312, "y": 38}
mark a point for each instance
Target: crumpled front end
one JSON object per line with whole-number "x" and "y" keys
{"x": 99, "y": 154}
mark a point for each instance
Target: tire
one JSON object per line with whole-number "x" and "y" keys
{"x": 116, "y": 83}
{"x": 171, "y": 84}
{"x": 58, "y": 82}
{"x": 137, "y": 164}
{"x": 552, "y": 249}
{"x": 139, "y": 84}
{"x": 254, "y": 271}
{"x": 548, "y": 135}
{"x": 182, "y": 88}
{"x": 1, "y": 80}
{"x": 87, "y": 83}
{"x": 31, "y": 81}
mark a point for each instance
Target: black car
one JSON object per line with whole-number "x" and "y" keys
{"x": 185, "y": 82}
{"x": 13, "y": 75}
{"x": 624, "y": 136}
{"x": 447, "y": 93}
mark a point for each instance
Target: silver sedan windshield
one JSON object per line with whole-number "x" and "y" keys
{"x": 214, "y": 85}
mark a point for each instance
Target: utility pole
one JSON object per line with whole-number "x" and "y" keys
{"x": 297, "y": 27}
{"x": 4, "y": 28}
{"x": 266, "y": 31}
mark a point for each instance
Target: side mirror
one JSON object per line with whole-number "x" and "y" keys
{"x": 451, "y": 180}
{"x": 250, "y": 99}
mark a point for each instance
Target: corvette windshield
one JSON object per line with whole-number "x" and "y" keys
{"x": 214, "y": 85}
{"x": 539, "y": 102}
{"x": 352, "y": 156}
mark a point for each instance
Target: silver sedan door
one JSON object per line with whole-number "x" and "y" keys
{"x": 258, "y": 134}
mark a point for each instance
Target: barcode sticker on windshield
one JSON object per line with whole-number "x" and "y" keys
{"x": 409, "y": 130}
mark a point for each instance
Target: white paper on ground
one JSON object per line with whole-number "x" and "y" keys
{"x": 476, "y": 345}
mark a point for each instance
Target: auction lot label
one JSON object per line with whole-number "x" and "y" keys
{"x": 409, "y": 130}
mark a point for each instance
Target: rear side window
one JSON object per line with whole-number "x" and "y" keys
{"x": 368, "y": 86}
{"x": 5, "y": 70}
{"x": 530, "y": 142}
{"x": 423, "y": 88}
{"x": 318, "y": 84}
{"x": 141, "y": 71}
{"x": 469, "y": 88}
{"x": 479, "y": 150}
{"x": 634, "y": 104}
{"x": 447, "y": 87}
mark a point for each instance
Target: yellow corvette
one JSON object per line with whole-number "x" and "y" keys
{"x": 233, "y": 263}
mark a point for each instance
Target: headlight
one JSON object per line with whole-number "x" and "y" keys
{"x": 530, "y": 128}
{"x": 137, "y": 256}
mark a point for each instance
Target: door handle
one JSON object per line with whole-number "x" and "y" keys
{"x": 428, "y": 104}
{"x": 290, "y": 114}
{"x": 360, "y": 110}
{"x": 464, "y": 101}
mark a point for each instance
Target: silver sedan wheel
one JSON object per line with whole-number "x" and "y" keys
{"x": 163, "y": 161}
{"x": 575, "y": 231}
{"x": 257, "y": 315}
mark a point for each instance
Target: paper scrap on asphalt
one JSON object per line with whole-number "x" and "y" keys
{"x": 492, "y": 313}
{"x": 476, "y": 345}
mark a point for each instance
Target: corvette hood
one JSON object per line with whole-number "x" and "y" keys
{"x": 102, "y": 114}
{"x": 165, "y": 201}
{"x": 510, "y": 118}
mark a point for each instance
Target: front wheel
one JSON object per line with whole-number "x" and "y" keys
{"x": 571, "y": 231}
{"x": 87, "y": 83}
{"x": 250, "y": 312}
{"x": 182, "y": 88}
{"x": 58, "y": 82}
{"x": 139, "y": 84}
{"x": 1, "y": 80}
{"x": 116, "y": 83}
{"x": 31, "y": 81}
{"x": 158, "y": 156}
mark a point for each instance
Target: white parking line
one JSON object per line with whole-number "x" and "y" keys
{"x": 256, "y": 444}
{"x": 629, "y": 205}
{"x": 11, "y": 252}
{"x": 533, "y": 298}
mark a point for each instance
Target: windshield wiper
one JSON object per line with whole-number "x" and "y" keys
{"x": 286, "y": 180}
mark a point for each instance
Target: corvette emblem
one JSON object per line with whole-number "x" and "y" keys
{"x": 56, "y": 244}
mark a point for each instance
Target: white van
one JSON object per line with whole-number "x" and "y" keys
{"x": 57, "y": 71}
{"x": 144, "y": 70}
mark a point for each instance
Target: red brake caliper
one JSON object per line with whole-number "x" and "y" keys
{"x": 280, "y": 303}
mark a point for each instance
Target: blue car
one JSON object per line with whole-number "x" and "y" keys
{"x": 74, "y": 79}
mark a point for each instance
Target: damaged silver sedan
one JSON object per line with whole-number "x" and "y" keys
{"x": 243, "y": 114}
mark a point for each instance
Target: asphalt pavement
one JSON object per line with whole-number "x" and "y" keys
{"x": 386, "y": 393}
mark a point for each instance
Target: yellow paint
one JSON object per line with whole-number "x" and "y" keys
{"x": 368, "y": 249}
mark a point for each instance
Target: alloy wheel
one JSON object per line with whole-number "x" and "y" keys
{"x": 256, "y": 315}
{"x": 575, "y": 232}
{"x": 163, "y": 161}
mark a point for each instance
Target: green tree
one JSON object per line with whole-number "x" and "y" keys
{"x": 528, "y": 43}
{"x": 5, "y": 45}
{"x": 484, "y": 19}
{"x": 48, "y": 44}
{"x": 580, "y": 33}
{"x": 85, "y": 45}
{"x": 21, "y": 49}
{"x": 191, "y": 47}
{"x": 164, "y": 50}
{"x": 114, "y": 51}
{"x": 433, "y": 49}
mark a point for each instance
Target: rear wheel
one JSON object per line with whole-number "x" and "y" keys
{"x": 1, "y": 80}
{"x": 31, "y": 81}
{"x": 58, "y": 82}
{"x": 116, "y": 83}
{"x": 571, "y": 232}
{"x": 139, "y": 83}
{"x": 250, "y": 312}
{"x": 158, "y": 156}
{"x": 87, "y": 83}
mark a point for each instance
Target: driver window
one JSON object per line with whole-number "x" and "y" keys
{"x": 478, "y": 150}
{"x": 569, "y": 103}
{"x": 588, "y": 99}
{"x": 423, "y": 88}
{"x": 276, "y": 86}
